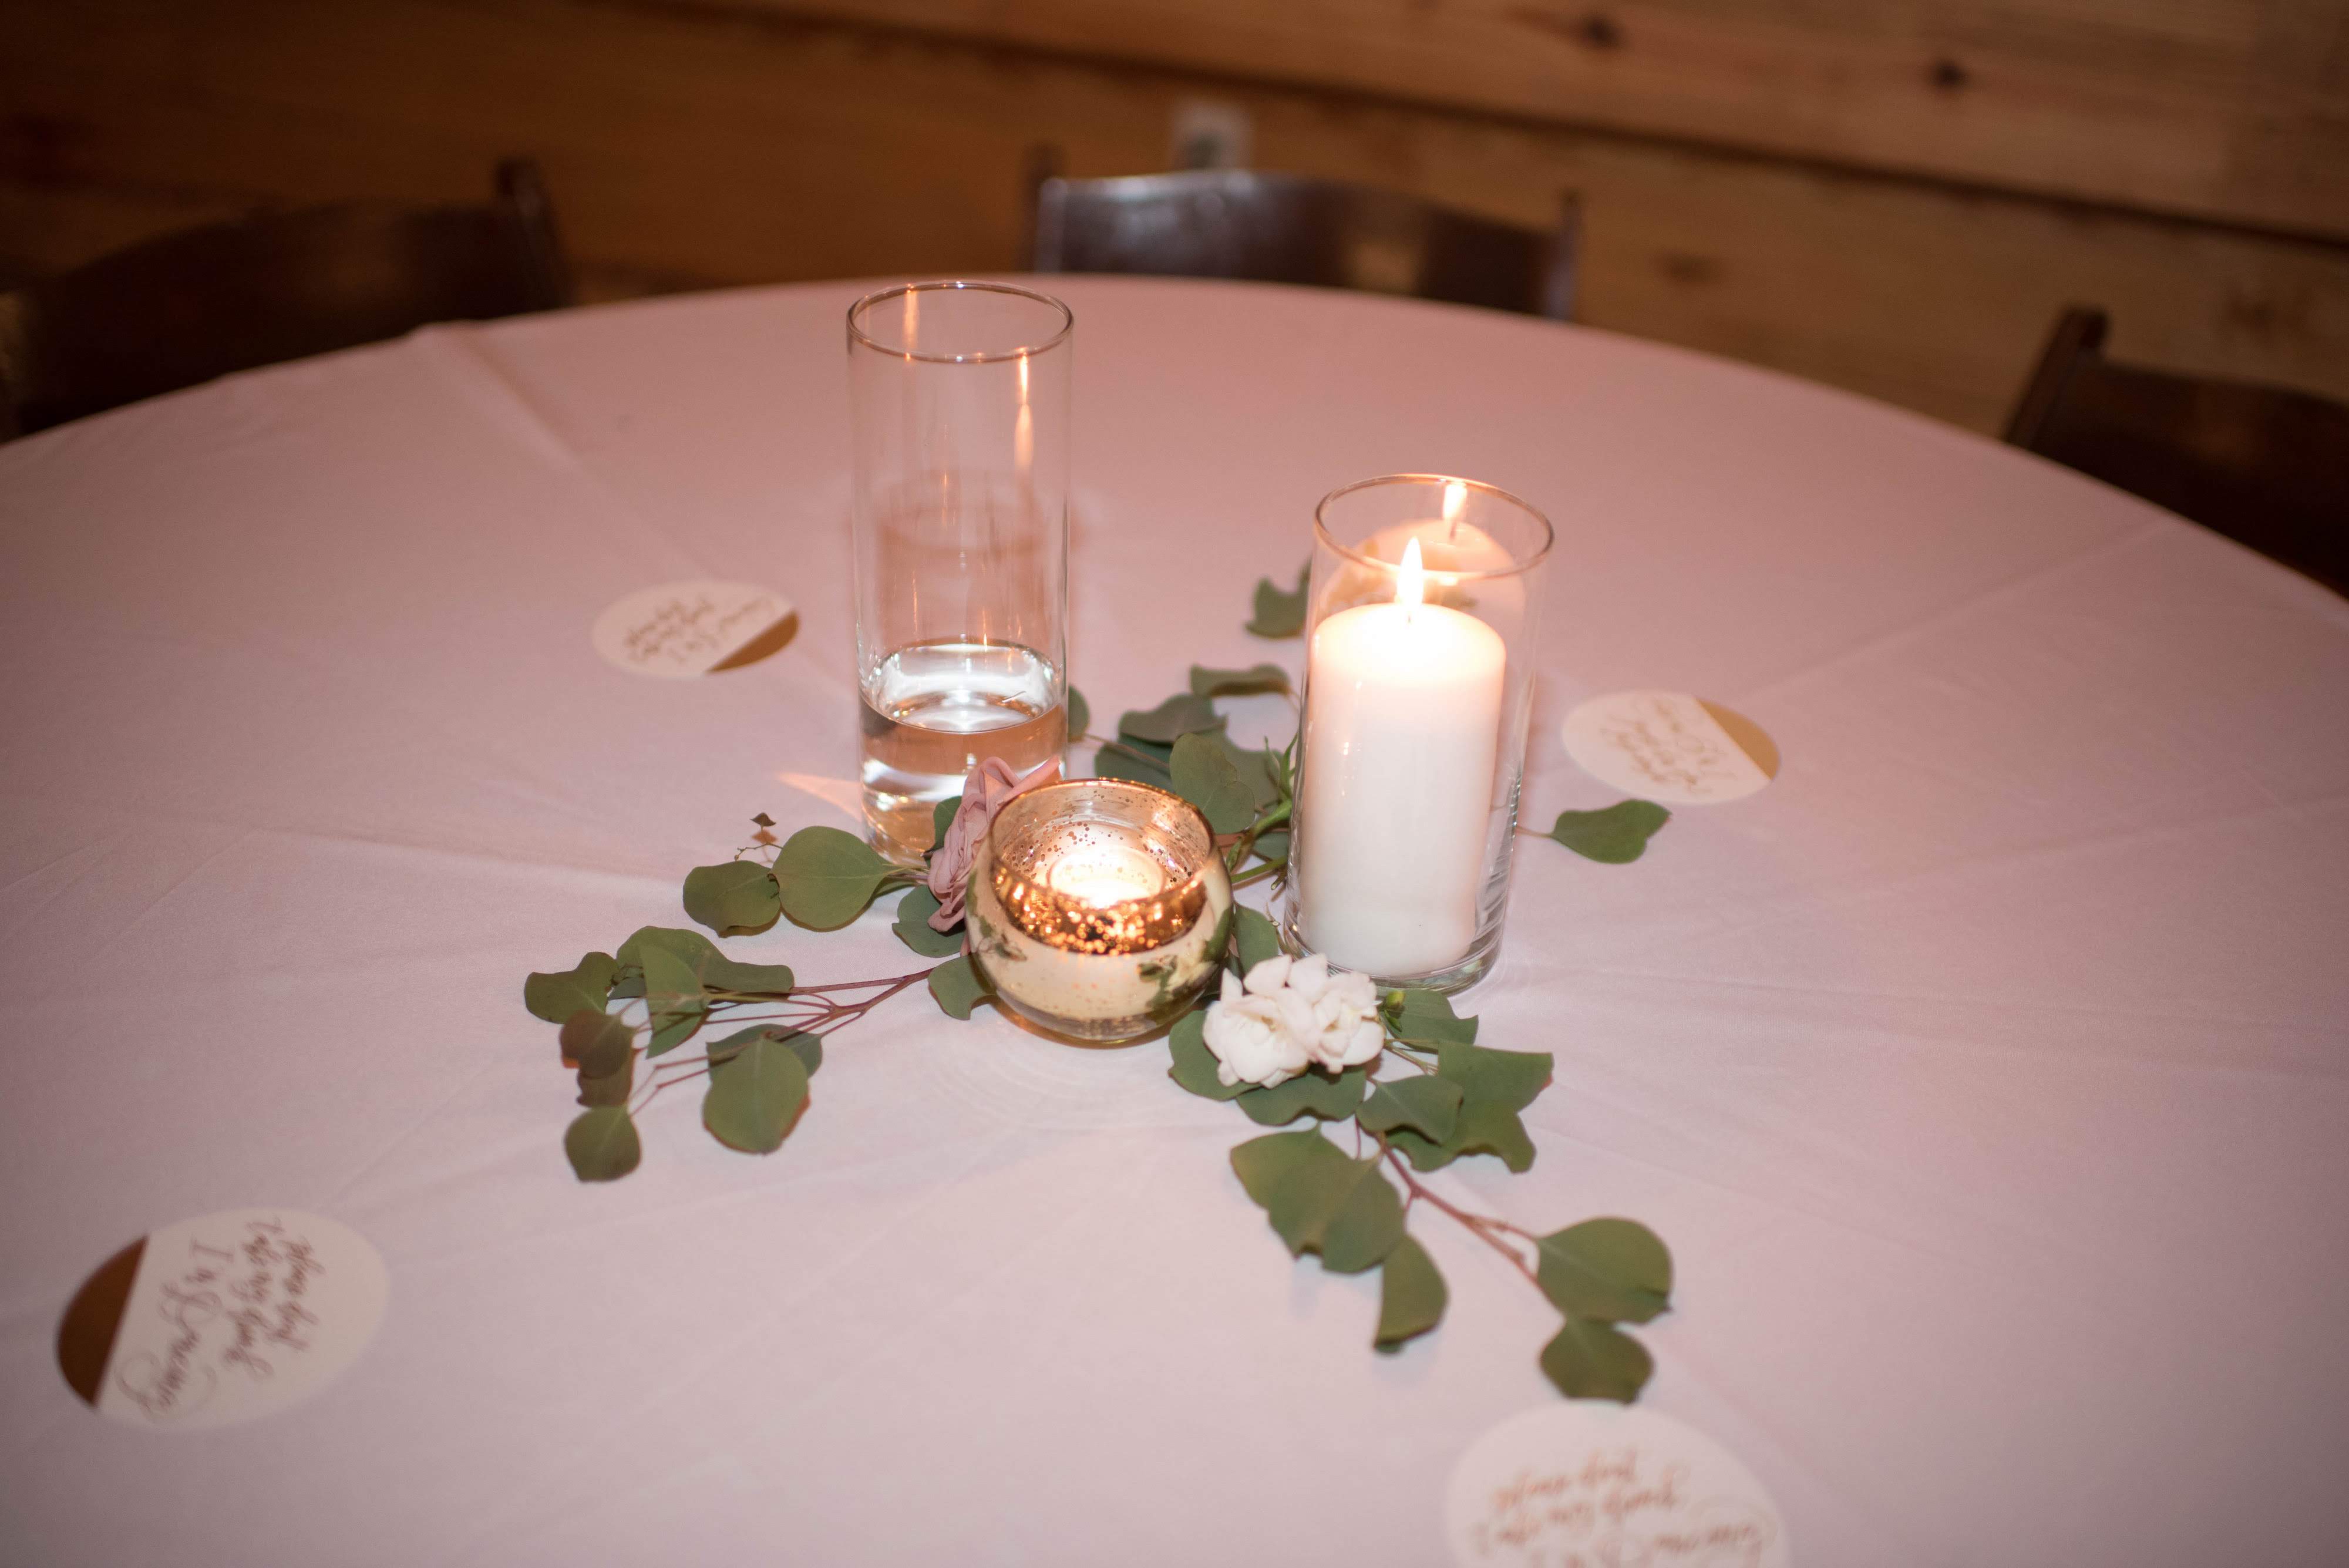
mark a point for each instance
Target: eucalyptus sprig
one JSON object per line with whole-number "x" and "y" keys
{"x": 1448, "y": 1097}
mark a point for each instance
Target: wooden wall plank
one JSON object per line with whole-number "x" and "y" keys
{"x": 709, "y": 147}
{"x": 2235, "y": 110}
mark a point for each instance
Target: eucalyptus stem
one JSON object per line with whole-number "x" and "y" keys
{"x": 1484, "y": 1227}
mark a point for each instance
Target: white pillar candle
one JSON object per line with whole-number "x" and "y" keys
{"x": 1403, "y": 730}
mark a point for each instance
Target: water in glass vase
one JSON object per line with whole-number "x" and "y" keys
{"x": 934, "y": 711}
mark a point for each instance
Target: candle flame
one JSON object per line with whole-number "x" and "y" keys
{"x": 1410, "y": 580}
{"x": 1456, "y": 496}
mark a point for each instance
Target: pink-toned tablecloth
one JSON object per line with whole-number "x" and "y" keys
{"x": 1985, "y": 1073}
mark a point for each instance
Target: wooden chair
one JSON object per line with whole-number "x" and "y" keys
{"x": 2267, "y": 467}
{"x": 189, "y": 307}
{"x": 1288, "y": 228}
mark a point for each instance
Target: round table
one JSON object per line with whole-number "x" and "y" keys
{"x": 1985, "y": 1073}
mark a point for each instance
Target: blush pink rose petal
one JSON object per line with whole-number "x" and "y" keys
{"x": 986, "y": 790}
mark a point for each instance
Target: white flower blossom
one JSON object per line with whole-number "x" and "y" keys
{"x": 1290, "y": 1014}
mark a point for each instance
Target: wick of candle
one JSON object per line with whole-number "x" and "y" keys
{"x": 1410, "y": 581}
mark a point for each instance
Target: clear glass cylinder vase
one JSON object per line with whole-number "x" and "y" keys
{"x": 958, "y": 411}
{"x": 1424, "y": 604}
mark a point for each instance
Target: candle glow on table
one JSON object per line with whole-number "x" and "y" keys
{"x": 1401, "y": 746}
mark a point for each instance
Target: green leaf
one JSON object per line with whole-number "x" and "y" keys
{"x": 1495, "y": 1087}
{"x": 1430, "y": 1104}
{"x": 1138, "y": 760}
{"x": 1615, "y": 836}
{"x": 1307, "y": 1094}
{"x": 613, "y": 1088}
{"x": 587, "y": 987}
{"x": 1206, "y": 777}
{"x": 602, "y": 1144}
{"x": 1259, "y": 939}
{"x": 598, "y": 1043}
{"x": 1616, "y": 1269}
{"x": 755, "y": 1094}
{"x": 674, "y": 999}
{"x": 715, "y": 969}
{"x": 1279, "y": 614}
{"x": 828, "y": 877}
{"x": 958, "y": 988}
{"x": 914, "y": 928}
{"x": 1080, "y": 713}
{"x": 809, "y": 1048}
{"x": 1195, "y": 1067}
{"x": 942, "y": 817}
{"x": 1272, "y": 847}
{"x": 1411, "y": 1295}
{"x": 1368, "y": 1225}
{"x": 1255, "y": 770}
{"x": 738, "y": 896}
{"x": 1318, "y": 1201}
{"x": 1425, "y": 1018}
{"x": 1591, "y": 1360}
{"x": 1179, "y": 715}
{"x": 1210, "y": 682}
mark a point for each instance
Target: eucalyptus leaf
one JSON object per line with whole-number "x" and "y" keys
{"x": 1367, "y": 1226}
{"x": 1318, "y": 1201}
{"x": 612, "y": 1088}
{"x": 738, "y": 896}
{"x": 1411, "y": 1295}
{"x": 755, "y": 1094}
{"x": 1080, "y": 713}
{"x": 1195, "y": 1067}
{"x": 1591, "y": 1360}
{"x": 828, "y": 877}
{"x": 1272, "y": 847}
{"x": 1138, "y": 760}
{"x": 914, "y": 928}
{"x": 809, "y": 1048}
{"x": 601, "y": 1144}
{"x": 1495, "y": 1087}
{"x": 1254, "y": 767}
{"x": 1179, "y": 715}
{"x": 956, "y": 988}
{"x": 1429, "y": 1104}
{"x": 1279, "y": 614}
{"x": 1425, "y": 1018}
{"x": 1203, "y": 776}
{"x": 1259, "y": 939}
{"x": 1615, "y": 1270}
{"x": 1614, "y": 836}
{"x": 1307, "y": 1094}
{"x": 585, "y": 987}
{"x": 598, "y": 1043}
{"x": 714, "y": 969}
{"x": 1211, "y": 682}
{"x": 674, "y": 1000}
{"x": 942, "y": 817}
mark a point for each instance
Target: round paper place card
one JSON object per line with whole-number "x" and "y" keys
{"x": 221, "y": 1319}
{"x": 1592, "y": 1484}
{"x": 1669, "y": 746}
{"x": 679, "y": 630}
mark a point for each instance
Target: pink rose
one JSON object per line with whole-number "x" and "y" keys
{"x": 988, "y": 789}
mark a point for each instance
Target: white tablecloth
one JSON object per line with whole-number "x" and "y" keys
{"x": 1985, "y": 1073}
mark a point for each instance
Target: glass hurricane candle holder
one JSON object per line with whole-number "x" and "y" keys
{"x": 1098, "y": 908}
{"x": 1423, "y": 605}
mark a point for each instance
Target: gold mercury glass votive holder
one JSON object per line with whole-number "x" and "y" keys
{"x": 1098, "y": 908}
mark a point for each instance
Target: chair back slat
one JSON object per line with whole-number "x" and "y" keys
{"x": 186, "y": 307}
{"x": 2267, "y": 466}
{"x": 1288, "y": 228}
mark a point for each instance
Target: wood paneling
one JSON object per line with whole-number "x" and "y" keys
{"x": 692, "y": 147}
{"x": 2227, "y": 109}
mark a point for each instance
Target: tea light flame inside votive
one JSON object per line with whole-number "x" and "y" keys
{"x": 1106, "y": 873}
